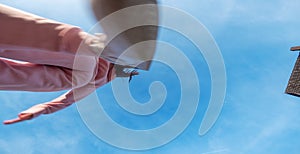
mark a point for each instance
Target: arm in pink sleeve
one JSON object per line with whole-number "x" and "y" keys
{"x": 59, "y": 103}
{"x": 33, "y": 77}
{"x": 34, "y": 39}
{"x": 106, "y": 73}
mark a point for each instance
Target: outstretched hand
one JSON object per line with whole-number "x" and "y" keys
{"x": 96, "y": 42}
{"x": 21, "y": 117}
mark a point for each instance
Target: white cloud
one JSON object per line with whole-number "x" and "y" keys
{"x": 219, "y": 151}
{"x": 17, "y": 144}
{"x": 273, "y": 128}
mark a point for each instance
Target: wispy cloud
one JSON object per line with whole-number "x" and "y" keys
{"x": 217, "y": 151}
{"x": 264, "y": 138}
{"x": 256, "y": 114}
{"x": 23, "y": 143}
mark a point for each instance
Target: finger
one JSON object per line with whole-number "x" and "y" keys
{"x": 101, "y": 36}
{"x": 22, "y": 117}
{"x": 12, "y": 121}
{"x": 97, "y": 48}
{"x": 95, "y": 41}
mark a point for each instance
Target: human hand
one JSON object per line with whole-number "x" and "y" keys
{"x": 96, "y": 42}
{"x": 21, "y": 117}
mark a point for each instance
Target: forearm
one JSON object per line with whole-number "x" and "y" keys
{"x": 32, "y": 77}
{"x": 61, "y": 102}
{"x": 105, "y": 74}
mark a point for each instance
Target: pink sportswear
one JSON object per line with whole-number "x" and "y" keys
{"x": 48, "y": 51}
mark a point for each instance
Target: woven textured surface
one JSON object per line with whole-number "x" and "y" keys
{"x": 293, "y": 87}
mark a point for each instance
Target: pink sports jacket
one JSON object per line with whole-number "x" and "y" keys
{"x": 48, "y": 50}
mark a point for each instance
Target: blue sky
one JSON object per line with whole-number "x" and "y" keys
{"x": 254, "y": 38}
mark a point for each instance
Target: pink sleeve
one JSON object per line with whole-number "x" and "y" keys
{"x": 34, "y": 39}
{"x": 23, "y": 76}
{"x": 61, "y": 102}
{"x": 106, "y": 73}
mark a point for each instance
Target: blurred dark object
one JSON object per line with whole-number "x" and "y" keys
{"x": 295, "y": 48}
{"x": 293, "y": 87}
{"x": 141, "y": 56}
